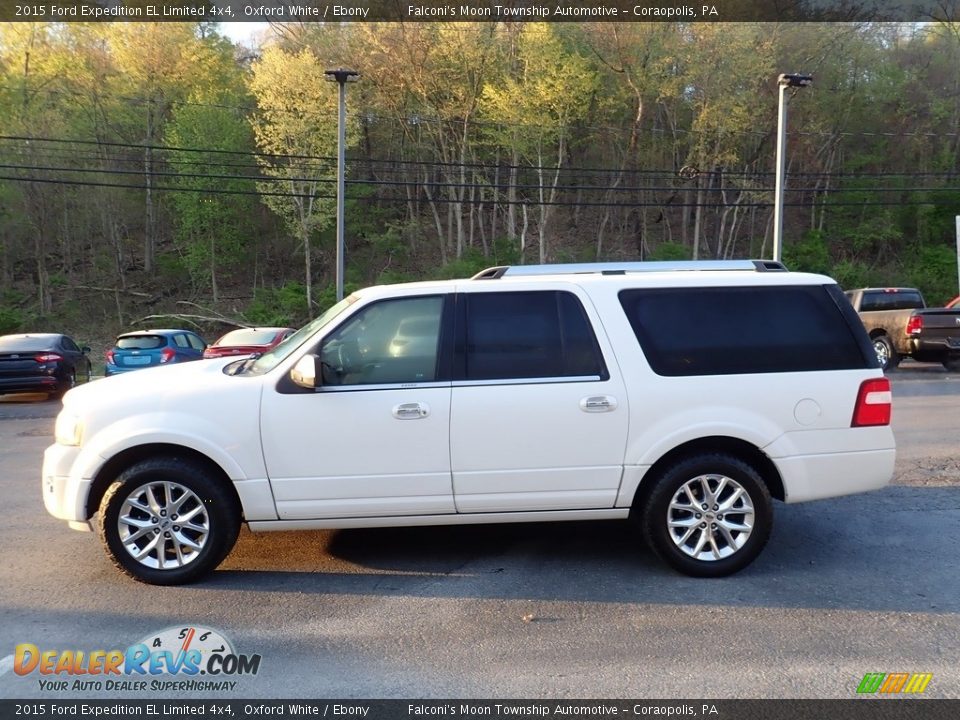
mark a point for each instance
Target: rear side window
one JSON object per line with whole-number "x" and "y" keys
{"x": 738, "y": 330}
{"x": 537, "y": 334}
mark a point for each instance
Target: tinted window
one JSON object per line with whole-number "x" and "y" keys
{"x": 195, "y": 342}
{"x": 247, "y": 336}
{"x": 181, "y": 340}
{"x": 725, "y": 331}
{"x": 27, "y": 343}
{"x": 388, "y": 342}
{"x": 516, "y": 335}
{"x": 69, "y": 344}
{"x": 141, "y": 342}
{"x": 892, "y": 300}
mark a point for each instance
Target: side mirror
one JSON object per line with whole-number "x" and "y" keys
{"x": 85, "y": 349}
{"x": 305, "y": 372}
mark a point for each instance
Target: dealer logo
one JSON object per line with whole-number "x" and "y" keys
{"x": 185, "y": 652}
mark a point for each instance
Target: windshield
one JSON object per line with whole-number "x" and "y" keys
{"x": 269, "y": 360}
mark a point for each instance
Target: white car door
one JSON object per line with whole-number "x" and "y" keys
{"x": 372, "y": 440}
{"x": 537, "y": 422}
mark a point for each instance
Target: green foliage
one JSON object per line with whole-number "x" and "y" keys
{"x": 851, "y": 275}
{"x": 327, "y": 297}
{"x": 11, "y": 320}
{"x": 596, "y": 118}
{"x": 933, "y": 269}
{"x": 809, "y": 255}
{"x": 473, "y": 261}
{"x": 282, "y": 306}
{"x": 670, "y": 251}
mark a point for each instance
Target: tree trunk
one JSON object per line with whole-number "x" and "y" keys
{"x": 149, "y": 243}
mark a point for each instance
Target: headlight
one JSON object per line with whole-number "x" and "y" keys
{"x": 68, "y": 430}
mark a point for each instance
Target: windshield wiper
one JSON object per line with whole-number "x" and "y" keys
{"x": 245, "y": 364}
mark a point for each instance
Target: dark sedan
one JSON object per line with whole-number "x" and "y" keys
{"x": 41, "y": 362}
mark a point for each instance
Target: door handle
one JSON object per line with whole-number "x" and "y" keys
{"x": 598, "y": 403}
{"x": 411, "y": 411}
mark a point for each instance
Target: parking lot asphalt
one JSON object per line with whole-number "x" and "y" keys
{"x": 861, "y": 584}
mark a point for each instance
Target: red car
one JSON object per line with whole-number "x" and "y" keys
{"x": 953, "y": 303}
{"x": 247, "y": 341}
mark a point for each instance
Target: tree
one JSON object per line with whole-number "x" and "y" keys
{"x": 539, "y": 107}
{"x": 296, "y": 131}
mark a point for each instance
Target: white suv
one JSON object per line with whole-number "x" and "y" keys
{"x": 684, "y": 394}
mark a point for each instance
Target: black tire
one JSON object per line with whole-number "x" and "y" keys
{"x": 191, "y": 487}
{"x": 727, "y": 557}
{"x": 87, "y": 371}
{"x": 887, "y": 354}
{"x": 69, "y": 383}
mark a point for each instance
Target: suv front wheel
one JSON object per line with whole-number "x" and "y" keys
{"x": 168, "y": 521}
{"x": 708, "y": 515}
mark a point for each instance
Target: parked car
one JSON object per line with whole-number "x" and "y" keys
{"x": 148, "y": 348}
{"x": 901, "y": 325}
{"x": 247, "y": 341}
{"x": 687, "y": 395}
{"x": 955, "y": 303}
{"x": 42, "y": 362}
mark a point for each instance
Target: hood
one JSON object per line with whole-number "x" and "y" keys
{"x": 154, "y": 384}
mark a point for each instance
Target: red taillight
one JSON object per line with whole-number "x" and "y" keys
{"x": 915, "y": 325}
{"x": 167, "y": 354}
{"x": 109, "y": 356}
{"x": 47, "y": 357}
{"x": 874, "y": 402}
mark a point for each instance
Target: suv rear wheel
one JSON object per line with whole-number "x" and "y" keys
{"x": 708, "y": 515}
{"x": 168, "y": 521}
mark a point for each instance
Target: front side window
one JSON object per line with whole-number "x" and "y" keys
{"x": 388, "y": 342}
{"x": 535, "y": 334}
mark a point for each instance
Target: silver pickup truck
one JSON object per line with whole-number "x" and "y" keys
{"x": 901, "y": 325}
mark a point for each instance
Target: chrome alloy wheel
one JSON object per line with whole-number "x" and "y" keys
{"x": 163, "y": 525}
{"x": 710, "y": 517}
{"x": 882, "y": 350}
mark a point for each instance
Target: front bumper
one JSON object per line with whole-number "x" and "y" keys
{"x": 64, "y": 494}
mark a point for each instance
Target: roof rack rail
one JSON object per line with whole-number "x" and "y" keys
{"x": 622, "y": 268}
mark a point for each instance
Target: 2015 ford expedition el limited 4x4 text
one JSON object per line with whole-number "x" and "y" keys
{"x": 686, "y": 395}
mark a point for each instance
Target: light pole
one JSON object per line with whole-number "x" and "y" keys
{"x": 342, "y": 77}
{"x": 784, "y": 81}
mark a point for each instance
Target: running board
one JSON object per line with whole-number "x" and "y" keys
{"x": 421, "y": 520}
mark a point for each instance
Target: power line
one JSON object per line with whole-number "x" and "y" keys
{"x": 441, "y": 200}
{"x": 662, "y": 173}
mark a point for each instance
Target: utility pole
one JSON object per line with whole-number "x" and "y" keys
{"x": 341, "y": 76}
{"x": 784, "y": 81}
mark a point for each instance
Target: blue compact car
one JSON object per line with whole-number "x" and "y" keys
{"x": 149, "y": 348}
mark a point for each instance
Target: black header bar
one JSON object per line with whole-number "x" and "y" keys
{"x": 893, "y": 708}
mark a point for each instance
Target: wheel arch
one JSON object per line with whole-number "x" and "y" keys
{"x": 735, "y": 447}
{"x": 124, "y": 459}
